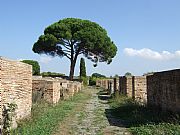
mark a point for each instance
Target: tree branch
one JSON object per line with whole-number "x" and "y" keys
{"x": 67, "y": 47}
{"x": 65, "y": 41}
{"x": 66, "y": 51}
{"x": 67, "y": 55}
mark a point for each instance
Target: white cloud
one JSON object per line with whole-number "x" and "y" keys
{"x": 45, "y": 59}
{"x": 150, "y": 54}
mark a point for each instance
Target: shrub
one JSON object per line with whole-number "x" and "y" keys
{"x": 97, "y": 75}
{"x": 92, "y": 81}
{"x": 52, "y": 74}
{"x": 84, "y": 80}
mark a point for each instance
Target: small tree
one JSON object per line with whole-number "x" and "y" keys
{"x": 97, "y": 75}
{"x": 35, "y": 66}
{"x": 128, "y": 74}
{"x": 82, "y": 68}
{"x": 71, "y": 37}
{"x": 116, "y": 76}
{"x": 83, "y": 76}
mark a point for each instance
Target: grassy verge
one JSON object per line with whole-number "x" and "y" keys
{"x": 45, "y": 117}
{"x": 142, "y": 120}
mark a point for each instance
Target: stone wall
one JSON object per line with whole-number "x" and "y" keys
{"x": 54, "y": 89}
{"x": 139, "y": 92}
{"x": 163, "y": 90}
{"x": 134, "y": 87}
{"x": 125, "y": 85}
{"x": 16, "y": 86}
{"x": 105, "y": 83}
{"x": 116, "y": 84}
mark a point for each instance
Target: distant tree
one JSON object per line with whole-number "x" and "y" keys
{"x": 116, "y": 76}
{"x": 35, "y": 66}
{"x": 82, "y": 68}
{"x": 92, "y": 81}
{"x": 94, "y": 77}
{"x": 128, "y": 74}
{"x": 52, "y": 74}
{"x": 97, "y": 75}
{"x": 71, "y": 37}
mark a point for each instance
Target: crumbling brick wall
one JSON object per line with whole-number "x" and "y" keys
{"x": 125, "y": 85}
{"x": 54, "y": 89}
{"x": 105, "y": 83}
{"x": 134, "y": 87}
{"x": 163, "y": 90}
{"x": 139, "y": 92}
{"x": 47, "y": 89}
{"x": 116, "y": 84}
{"x": 16, "y": 86}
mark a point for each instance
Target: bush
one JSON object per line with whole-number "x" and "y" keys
{"x": 84, "y": 80}
{"x": 97, "y": 75}
{"x": 52, "y": 74}
{"x": 92, "y": 81}
{"x": 35, "y": 66}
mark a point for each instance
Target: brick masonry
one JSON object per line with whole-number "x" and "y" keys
{"x": 54, "y": 89}
{"x": 134, "y": 87}
{"x": 46, "y": 89}
{"x": 16, "y": 86}
{"x": 163, "y": 90}
{"x": 125, "y": 86}
{"x": 139, "y": 91}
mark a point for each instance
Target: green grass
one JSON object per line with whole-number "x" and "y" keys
{"x": 45, "y": 117}
{"x": 159, "y": 129}
{"x": 143, "y": 120}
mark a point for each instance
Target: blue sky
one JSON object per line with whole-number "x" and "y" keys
{"x": 146, "y": 32}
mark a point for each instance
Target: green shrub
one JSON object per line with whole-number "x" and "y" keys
{"x": 52, "y": 74}
{"x": 97, "y": 75}
{"x": 84, "y": 80}
{"x": 92, "y": 81}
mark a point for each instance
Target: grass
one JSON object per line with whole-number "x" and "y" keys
{"x": 45, "y": 117}
{"x": 142, "y": 120}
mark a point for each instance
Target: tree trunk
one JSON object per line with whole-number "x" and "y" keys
{"x": 73, "y": 63}
{"x": 72, "y": 70}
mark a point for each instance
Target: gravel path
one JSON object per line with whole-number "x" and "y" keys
{"x": 90, "y": 119}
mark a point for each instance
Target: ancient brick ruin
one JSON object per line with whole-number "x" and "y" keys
{"x": 134, "y": 87}
{"x": 16, "y": 86}
{"x": 163, "y": 90}
{"x": 53, "y": 89}
{"x": 160, "y": 89}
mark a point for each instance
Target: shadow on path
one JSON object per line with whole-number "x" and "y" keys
{"x": 113, "y": 121}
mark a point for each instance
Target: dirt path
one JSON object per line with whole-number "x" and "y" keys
{"x": 90, "y": 118}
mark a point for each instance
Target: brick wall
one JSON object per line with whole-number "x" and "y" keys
{"x": 163, "y": 90}
{"x": 125, "y": 85}
{"x": 54, "y": 89}
{"x": 134, "y": 87}
{"x": 139, "y": 91}
{"x": 47, "y": 89}
{"x": 16, "y": 86}
{"x": 116, "y": 84}
{"x": 105, "y": 83}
